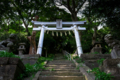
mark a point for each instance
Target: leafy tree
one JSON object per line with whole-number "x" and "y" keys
{"x": 108, "y": 11}
{"x": 72, "y": 5}
{"x": 27, "y": 9}
{"x": 92, "y": 20}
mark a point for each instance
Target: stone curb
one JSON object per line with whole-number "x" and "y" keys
{"x": 83, "y": 68}
{"x": 38, "y": 73}
{"x": 37, "y": 76}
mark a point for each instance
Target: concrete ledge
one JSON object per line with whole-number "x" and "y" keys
{"x": 37, "y": 76}
{"x": 90, "y": 60}
{"x": 31, "y": 59}
{"x": 83, "y": 69}
{"x": 94, "y": 56}
{"x": 32, "y": 56}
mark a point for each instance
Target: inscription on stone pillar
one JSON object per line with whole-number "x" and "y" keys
{"x": 59, "y": 24}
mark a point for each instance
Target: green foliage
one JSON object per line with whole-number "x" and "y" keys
{"x": 4, "y": 35}
{"x": 107, "y": 53}
{"x": 30, "y": 69}
{"x": 66, "y": 57}
{"x": 95, "y": 53}
{"x": 42, "y": 59}
{"x": 51, "y": 56}
{"x": 76, "y": 57}
{"x": 99, "y": 75}
{"x": 19, "y": 38}
{"x": 86, "y": 40}
{"x": 52, "y": 69}
{"x": 78, "y": 60}
{"x": 7, "y": 54}
{"x": 100, "y": 61}
{"x": 11, "y": 31}
{"x": 106, "y": 14}
{"x": 78, "y": 68}
{"x": 59, "y": 43}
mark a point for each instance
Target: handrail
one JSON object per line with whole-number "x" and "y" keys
{"x": 67, "y": 54}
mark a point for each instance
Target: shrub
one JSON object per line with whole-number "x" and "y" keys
{"x": 99, "y": 75}
{"x": 7, "y": 54}
{"x": 30, "y": 69}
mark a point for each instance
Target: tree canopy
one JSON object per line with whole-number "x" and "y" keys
{"x": 108, "y": 12}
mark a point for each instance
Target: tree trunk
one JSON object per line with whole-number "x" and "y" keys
{"x": 95, "y": 31}
{"x": 94, "y": 35}
{"x": 74, "y": 16}
{"x": 26, "y": 26}
{"x": 33, "y": 49}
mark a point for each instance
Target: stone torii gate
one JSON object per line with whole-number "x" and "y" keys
{"x": 75, "y": 26}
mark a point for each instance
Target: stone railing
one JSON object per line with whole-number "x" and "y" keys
{"x": 67, "y": 54}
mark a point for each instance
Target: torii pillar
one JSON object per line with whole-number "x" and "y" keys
{"x": 40, "y": 44}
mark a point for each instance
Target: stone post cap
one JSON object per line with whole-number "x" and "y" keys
{"x": 20, "y": 49}
{"x": 21, "y": 43}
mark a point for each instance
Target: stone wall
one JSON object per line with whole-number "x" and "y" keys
{"x": 112, "y": 66}
{"x": 10, "y": 68}
{"x": 31, "y": 59}
{"x": 91, "y": 59}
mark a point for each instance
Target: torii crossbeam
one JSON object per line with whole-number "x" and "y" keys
{"x": 75, "y": 26}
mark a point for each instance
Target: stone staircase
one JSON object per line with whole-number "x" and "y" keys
{"x": 61, "y": 69}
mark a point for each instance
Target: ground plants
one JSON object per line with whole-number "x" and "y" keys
{"x": 99, "y": 75}
{"x": 52, "y": 69}
{"x": 100, "y": 61}
{"x": 78, "y": 60}
{"x": 67, "y": 57}
{"x": 95, "y": 53}
{"x": 107, "y": 53}
{"x": 76, "y": 57}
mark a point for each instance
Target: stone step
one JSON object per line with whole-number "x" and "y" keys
{"x": 60, "y": 73}
{"x": 61, "y": 62}
{"x": 63, "y": 65}
{"x": 60, "y": 67}
{"x": 52, "y": 63}
{"x": 61, "y": 58}
{"x": 61, "y": 70}
{"x": 61, "y": 78}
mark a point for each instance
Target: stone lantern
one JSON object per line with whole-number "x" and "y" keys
{"x": 21, "y": 48}
{"x": 97, "y": 48}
